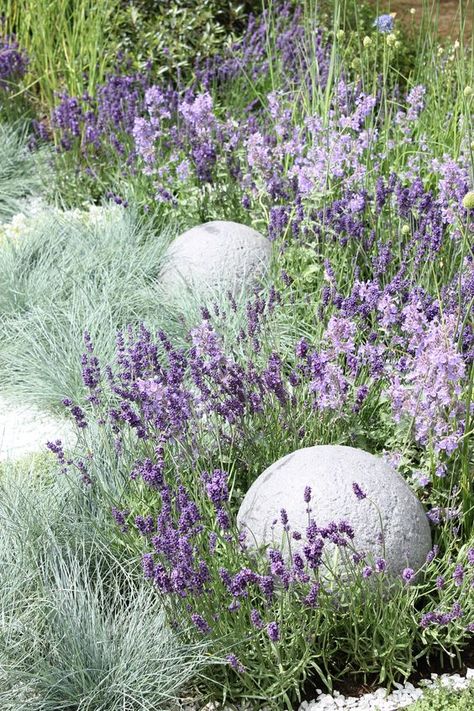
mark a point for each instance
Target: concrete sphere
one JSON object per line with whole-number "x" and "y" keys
{"x": 330, "y": 471}
{"x": 214, "y": 258}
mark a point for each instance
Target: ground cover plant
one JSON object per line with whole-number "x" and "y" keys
{"x": 353, "y": 152}
{"x": 445, "y": 700}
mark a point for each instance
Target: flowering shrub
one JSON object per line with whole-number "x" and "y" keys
{"x": 193, "y": 428}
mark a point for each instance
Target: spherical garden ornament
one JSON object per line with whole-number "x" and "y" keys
{"x": 330, "y": 484}
{"x": 215, "y": 258}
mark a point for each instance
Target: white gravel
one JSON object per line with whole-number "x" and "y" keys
{"x": 25, "y": 430}
{"x": 379, "y": 700}
{"x": 401, "y": 698}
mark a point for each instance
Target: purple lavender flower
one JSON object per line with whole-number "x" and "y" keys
{"x": 307, "y": 494}
{"x": 367, "y": 571}
{"x": 235, "y": 663}
{"x": 442, "y": 618}
{"x": 358, "y": 491}
{"x": 120, "y": 518}
{"x": 380, "y": 565}
{"x": 273, "y": 632}
{"x": 13, "y": 62}
{"x": 311, "y": 598}
{"x": 408, "y": 575}
{"x": 216, "y": 486}
{"x": 266, "y": 585}
{"x": 458, "y": 575}
{"x": 256, "y": 619}
{"x": 148, "y": 565}
{"x": 200, "y": 623}
{"x": 432, "y": 554}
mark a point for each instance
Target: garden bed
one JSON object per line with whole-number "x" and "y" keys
{"x": 238, "y": 275}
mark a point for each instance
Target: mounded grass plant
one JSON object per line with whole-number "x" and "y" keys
{"x": 78, "y": 630}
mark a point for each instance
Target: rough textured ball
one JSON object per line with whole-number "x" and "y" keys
{"x": 468, "y": 200}
{"x": 215, "y": 258}
{"x": 389, "y": 507}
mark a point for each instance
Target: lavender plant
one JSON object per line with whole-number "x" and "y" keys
{"x": 189, "y": 430}
{"x": 366, "y": 338}
{"x": 13, "y": 63}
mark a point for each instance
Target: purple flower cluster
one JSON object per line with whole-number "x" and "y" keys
{"x": 104, "y": 122}
{"x": 437, "y": 618}
{"x": 251, "y": 56}
{"x": 13, "y": 63}
{"x": 182, "y": 565}
{"x": 428, "y": 385}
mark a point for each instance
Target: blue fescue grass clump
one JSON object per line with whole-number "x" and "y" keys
{"x": 65, "y": 273}
{"x": 78, "y": 629}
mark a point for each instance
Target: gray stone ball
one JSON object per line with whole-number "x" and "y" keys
{"x": 214, "y": 258}
{"x": 330, "y": 471}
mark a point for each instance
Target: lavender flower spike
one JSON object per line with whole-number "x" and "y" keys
{"x": 273, "y": 632}
{"x": 358, "y": 491}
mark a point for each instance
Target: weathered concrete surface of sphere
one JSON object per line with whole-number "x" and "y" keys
{"x": 330, "y": 471}
{"x": 214, "y": 258}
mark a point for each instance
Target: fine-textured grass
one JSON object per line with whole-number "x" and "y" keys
{"x": 21, "y": 171}
{"x": 69, "y": 273}
{"x": 76, "y": 630}
{"x": 65, "y": 277}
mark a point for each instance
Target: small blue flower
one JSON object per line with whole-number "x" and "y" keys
{"x": 384, "y": 23}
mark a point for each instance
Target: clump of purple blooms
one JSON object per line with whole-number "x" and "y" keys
{"x": 13, "y": 62}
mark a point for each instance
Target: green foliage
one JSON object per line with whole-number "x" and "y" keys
{"x": 445, "y": 699}
{"x": 70, "y": 589}
{"x": 67, "y": 43}
{"x": 172, "y": 35}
